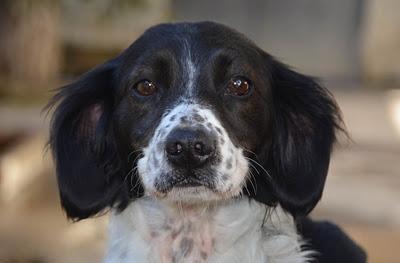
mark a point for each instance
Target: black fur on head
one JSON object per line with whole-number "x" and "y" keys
{"x": 287, "y": 123}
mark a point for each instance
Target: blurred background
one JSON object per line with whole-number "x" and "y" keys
{"x": 352, "y": 45}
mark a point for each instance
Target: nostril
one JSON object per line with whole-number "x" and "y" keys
{"x": 174, "y": 148}
{"x": 198, "y": 148}
{"x": 202, "y": 149}
{"x": 178, "y": 148}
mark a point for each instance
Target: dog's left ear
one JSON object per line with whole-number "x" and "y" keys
{"x": 305, "y": 120}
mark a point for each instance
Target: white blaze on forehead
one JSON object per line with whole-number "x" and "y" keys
{"x": 231, "y": 167}
{"x": 190, "y": 68}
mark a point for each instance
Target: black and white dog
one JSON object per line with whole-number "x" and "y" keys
{"x": 205, "y": 148}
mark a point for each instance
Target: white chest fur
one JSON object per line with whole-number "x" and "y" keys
{"x": 152, "y": 231}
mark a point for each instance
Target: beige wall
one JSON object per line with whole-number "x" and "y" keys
{"x": 381, "y": 41}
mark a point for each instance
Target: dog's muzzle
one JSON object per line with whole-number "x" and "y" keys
{"x": 188, "y": 150}
{"x": 191, "y": 153}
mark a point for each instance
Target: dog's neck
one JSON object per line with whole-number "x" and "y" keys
{"x": 150, "y": 230}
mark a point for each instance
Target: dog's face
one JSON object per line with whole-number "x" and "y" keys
{"x": 192, "y": 104}
{"x": 192, "y": 113}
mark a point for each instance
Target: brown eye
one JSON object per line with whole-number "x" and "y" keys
{"x": 145, "y": 88}
{"x": 238, "y": 86}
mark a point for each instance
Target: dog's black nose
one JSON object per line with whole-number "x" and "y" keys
{"x": 189, "y": 148}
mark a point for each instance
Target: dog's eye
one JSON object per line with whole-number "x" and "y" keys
{"x": 145, "y": 88}
{"x": 238, "y": 86}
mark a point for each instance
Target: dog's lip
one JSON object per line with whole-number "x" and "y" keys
{"x": 182, "y": 180}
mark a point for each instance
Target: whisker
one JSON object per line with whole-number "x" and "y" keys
{"x": 130, "y": 173}
{"x": 250, "y": 152}
{"x": 247, "y": 158}
{"x": 254, "y": 185}
{"x": 131, "y": 153}
{"x": 131, "y": 177}
{"x": 137, "y": 182}
{"x": 137, "y": 157}
{"x": 262, "y": 167}
{"x": 247, "y": 190}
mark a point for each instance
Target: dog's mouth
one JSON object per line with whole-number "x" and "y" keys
{"x": 186, "y": 180}
{"x": 187, "y": 189}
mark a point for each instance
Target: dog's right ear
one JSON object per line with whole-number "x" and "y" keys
{"x": 89, "y": 170}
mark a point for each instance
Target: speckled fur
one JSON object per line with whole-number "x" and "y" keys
{"x": 154, "y": 231}
{"x": 229, "y": 171}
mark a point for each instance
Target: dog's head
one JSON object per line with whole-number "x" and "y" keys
{"x": 192, "y": 113}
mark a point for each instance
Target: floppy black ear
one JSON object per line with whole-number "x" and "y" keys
{"x": 89, "y": 170}
{"x": 305, "y": 119}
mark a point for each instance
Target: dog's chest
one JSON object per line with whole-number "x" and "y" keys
{"x": 182, "y": 239}
{"x": 148, "y": 232}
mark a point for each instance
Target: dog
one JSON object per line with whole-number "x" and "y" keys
{"x": 204, "y": 147}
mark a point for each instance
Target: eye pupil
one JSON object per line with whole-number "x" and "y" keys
{"x": 145, "y": 88}
{"x": 239, "y": 86}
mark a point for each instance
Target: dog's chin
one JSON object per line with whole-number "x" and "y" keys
{"x": 196, "y": 187}
{"x": 193, "y": 194}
